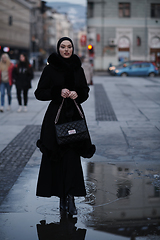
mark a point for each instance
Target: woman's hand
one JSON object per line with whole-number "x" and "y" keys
{"x": 65, "y": 93}
{"x": 73, "y": 95}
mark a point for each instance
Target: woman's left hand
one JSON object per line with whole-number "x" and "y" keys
{"x": 73, "y": 95}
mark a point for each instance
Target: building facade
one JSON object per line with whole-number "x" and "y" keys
{"x": 29, "y": 26}
{"x": 58, "y": 26}
{"x": 123, "y": 30}
{"x": 14, "y": 26}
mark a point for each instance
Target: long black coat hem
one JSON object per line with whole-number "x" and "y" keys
{"x": 55, "y": 195}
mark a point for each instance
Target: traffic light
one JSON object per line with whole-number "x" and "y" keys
{"x": 90, "y": 49}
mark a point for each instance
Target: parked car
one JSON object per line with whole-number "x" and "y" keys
{"x": 112, "y": 68}
{"x": 137, "y": 69}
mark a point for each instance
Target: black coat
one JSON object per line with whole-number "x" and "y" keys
{"x": 60, "y": 170}
{"x": 49, "y": 88}
{"x": 22, "y": 76}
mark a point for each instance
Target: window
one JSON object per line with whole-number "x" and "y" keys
{"x": 156, "y": 192}
{"x": 124, "y": 10}
{"x": 138, "y": 41}
{"x": 155, "y": 10}
{"x": 145, "y": 65}
{"x": 135, "y": 66}
{"x": 90, "y": 9}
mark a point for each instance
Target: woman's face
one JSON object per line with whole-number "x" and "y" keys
{"x": 22, "y": 58}
{"x": 4, "y": 58}
{"x": 66, "y": 49}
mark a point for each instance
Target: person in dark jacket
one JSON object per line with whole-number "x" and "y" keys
{"x": 23, "y": 74}
{"x": 61, "y": 171}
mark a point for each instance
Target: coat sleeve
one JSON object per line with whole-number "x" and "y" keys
{"x": 43, "y": 91}
{"x": 82, "y": 88}
{"x": 47, "y": 89}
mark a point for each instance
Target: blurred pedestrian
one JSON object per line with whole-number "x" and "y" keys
{"x": 23, "y": 74}
{"x": 6, "y": 81}
{"x": 88, "y": 70}
{"x": 61, "y": 171}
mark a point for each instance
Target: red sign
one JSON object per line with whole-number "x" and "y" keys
{"x": 98, "y": 37}
{"x": 83, "y": 40}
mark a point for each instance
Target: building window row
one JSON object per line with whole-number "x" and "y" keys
{"x": 125, "y": 10}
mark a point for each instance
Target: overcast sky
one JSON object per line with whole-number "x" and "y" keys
{"x": 82, "y": 2}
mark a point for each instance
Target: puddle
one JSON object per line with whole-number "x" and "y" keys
{"x": 122, "y": 202}
{"x": 125, "y": 199}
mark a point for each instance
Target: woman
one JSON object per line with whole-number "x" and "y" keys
{"x": 23, "y": 74}
{"x": 6, "y": 81}
{"x": 61, "y": 172}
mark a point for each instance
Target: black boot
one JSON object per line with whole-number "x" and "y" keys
{"x": 71, "y": 205}
{"x": 64, "y": 204}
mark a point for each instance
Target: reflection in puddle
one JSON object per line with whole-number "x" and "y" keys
{"x": 125, "y": 201}
{"x": 65, "y": 229}
{"x": 90, "y": 190}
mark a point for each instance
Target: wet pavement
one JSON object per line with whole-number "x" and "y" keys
{"x": 122, "y": 179}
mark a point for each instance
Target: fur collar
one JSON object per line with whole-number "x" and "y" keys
{"x": 57, "y": 62}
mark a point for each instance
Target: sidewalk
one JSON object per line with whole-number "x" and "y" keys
{"x": 14, "y": 122}
{"x": 122, "y": 179}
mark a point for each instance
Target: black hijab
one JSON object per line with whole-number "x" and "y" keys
{"x": 69, "y": 78}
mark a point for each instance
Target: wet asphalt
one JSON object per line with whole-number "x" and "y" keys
{"x": 122, "y": 179}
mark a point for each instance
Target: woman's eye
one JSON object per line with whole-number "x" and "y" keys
{"x": 67, "y": 47}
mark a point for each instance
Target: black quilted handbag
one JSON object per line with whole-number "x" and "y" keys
{"x": 71, "y": 131}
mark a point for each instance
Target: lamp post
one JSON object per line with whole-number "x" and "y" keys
{"x": 146, "y": 32}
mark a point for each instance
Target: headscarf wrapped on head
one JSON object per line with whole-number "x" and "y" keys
{"x": 69, "y": 76}
{"x": 61, "y": 40}
{"x": 69, "y": 82}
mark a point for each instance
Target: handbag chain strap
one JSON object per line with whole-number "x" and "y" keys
{"x": 60, "y": 108}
